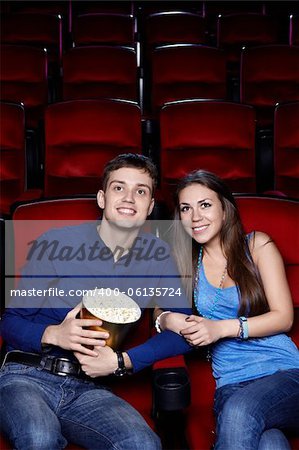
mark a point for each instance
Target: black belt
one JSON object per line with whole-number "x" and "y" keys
{"x": 53, "y": 364}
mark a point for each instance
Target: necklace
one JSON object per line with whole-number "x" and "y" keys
{"x": 217, "y": 295}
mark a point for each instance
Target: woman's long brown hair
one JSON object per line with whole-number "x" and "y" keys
{"x": 240, "y": 266}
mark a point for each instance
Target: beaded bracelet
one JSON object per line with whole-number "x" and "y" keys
{"x": 157, "y": 322}
{"x": 243, "y": 328}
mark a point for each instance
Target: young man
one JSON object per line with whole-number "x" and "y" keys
{"x": 49, "y": 397}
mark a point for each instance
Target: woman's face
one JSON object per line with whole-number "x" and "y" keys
{"x": 201, "y": 213}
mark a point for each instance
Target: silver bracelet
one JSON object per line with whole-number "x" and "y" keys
{"x": 157, "y": 322}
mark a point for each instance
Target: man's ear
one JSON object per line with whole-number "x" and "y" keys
{"x": 151, "y": 206}
{"x": 101, "y": 199}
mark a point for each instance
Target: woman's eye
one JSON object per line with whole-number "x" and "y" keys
{"x": 185, "y": 209}
{"x": 205, "y": 205}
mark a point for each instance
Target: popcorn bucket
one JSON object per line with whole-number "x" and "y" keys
{"x": 116, "y": 310}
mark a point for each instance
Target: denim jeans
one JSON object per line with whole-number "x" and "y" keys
{"x": 43, "y": 411}
{"x": 250, "y": 415}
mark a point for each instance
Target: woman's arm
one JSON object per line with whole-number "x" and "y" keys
{"x": 201, "y": 331}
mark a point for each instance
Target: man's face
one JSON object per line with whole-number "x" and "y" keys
{"x": 127, "y": 200}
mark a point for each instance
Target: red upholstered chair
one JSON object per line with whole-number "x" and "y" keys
{"x": 187, "y": 71}
{"x": 279, "y": 218}
{"x": 269, "y": 74}
{"x": 81, "y": 136}
{"x": 13, "y": 157}
{"x": 208, "y": 135}
{"x": 97, "y": 29}
{"x": 100, "y": 72}
{"x": 235, "y": 31}
{"x": 294, "y": 30}
{"x": 34, "y": 29}
{"x": 174, "y": 27}
{"x": 23, "y": 77}
{"x": 286, "y": 149}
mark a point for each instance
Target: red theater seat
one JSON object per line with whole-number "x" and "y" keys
{"x": 187, "y": 71}
{"x": 269, "y": 74}
{"x": 23, "y": 77}
{"x": 100, "y": 72}
{"x": 81, "y": 136}
{"x": 235, "y": 31}
{"x": 97, "y": 29}
{"x": 286, "y": 149}
{"x": 34, "y": 29}
{"x": 13, "y": 157}
{"x": 279, "y": 218}
{"x": 174, "y": 27}
{"x": 208, "y": 135}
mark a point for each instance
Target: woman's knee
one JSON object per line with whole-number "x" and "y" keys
{"x": 141, "y": 437}
{"x": 241, "y": 413}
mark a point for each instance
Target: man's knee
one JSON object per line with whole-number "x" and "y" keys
{"x": 38, "y": 439}
{"x": 273, "y": 439}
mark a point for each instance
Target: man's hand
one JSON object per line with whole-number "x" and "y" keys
{"x": 105, "y": 363}
{"x": 202, "y": 331}
{"x": 70, "y": 334}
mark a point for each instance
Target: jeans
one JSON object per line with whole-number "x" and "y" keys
{"x": 250, "y": 415}
{"x": 43, "y": 411}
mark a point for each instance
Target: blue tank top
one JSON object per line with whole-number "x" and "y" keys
{"x": 234, "y": 360}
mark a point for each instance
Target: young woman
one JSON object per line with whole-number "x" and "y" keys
{"x": 244, "y": 306}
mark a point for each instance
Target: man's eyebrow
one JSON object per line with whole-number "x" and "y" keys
{"x": 138, "y": 184}
{"x": 117, "y": 181}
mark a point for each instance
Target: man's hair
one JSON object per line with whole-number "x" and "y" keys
{"x": 131, "y": 160}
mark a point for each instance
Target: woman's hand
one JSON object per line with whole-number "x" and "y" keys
{"x": 105, "y": 363}
{"x": 201, "y": 331}
{"x": 173, "y": 321}
{"x": 70, "y": 334}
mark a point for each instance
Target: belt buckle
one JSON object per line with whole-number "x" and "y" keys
{"x": 59, "y": 371}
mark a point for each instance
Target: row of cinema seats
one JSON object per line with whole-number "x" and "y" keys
{"x": 75, "y": 15}
{"x": 168, "y": 27}
{"x": 82, "y": 135}
{"x": 268, "y": 74}
{"x": 276, "y": 216}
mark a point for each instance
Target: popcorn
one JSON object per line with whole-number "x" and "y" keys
{"x": 114, "y": 306}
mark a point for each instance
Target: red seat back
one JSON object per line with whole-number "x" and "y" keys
{"x": 269, "y": 74}
{"x": 12, "y": 154}
{"x": 286, "y": 148}
{"x": 209, "y": 135}
{"x": 97, "y": 29}
{"x": 248, "y": 29}
{"x": 100, "y": 72}
{"x": 23, "y": 77}
{"x": 187, "y": 71}
{"x": 81, "y": 136}
{"x": 34, "y": 29}
{"x": 173, "y": 28}
{"x": 279, "y": 218}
